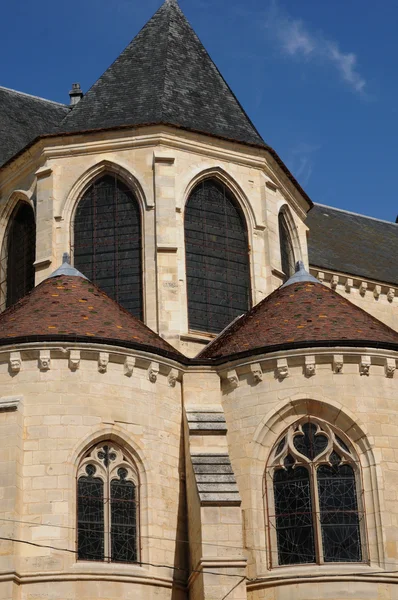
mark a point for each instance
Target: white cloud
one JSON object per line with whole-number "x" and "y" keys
{"x": 295, "y": 39}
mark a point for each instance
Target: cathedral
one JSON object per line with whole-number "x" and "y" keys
{"x": 199, "y": 396}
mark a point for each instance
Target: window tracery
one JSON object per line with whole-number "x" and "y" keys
{"x": 217, "y": 258}
{"x": 107, "y": 246}
{"x": 315, "y": 504}
{"x": 107, "y": 506}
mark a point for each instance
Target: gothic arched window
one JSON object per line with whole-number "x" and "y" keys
{"x": 314, "y": 494}
{"x": 286, "y": 247}
{"x": 107, "y": 241}
{"x": 217, "y": 258}
{"x": 107, "y": 505}
{"x": 18, "y": 255}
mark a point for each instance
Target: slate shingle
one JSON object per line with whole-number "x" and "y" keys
{"x": 353, "y": 244}
{"x": 164, "y": 76}
{"x": 23, "y": 118}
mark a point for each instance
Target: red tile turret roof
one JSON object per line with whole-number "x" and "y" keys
{"x": 71, "y": 308}
{"x": 302, "y": 314}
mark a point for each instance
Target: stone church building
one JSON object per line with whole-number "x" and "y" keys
{"x": 197, "y": 364}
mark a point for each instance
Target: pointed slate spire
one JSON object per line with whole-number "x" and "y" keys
{"x": 300, "y": 275}
{"x": 164, "y": 76}
{"x": 66, "y": 269}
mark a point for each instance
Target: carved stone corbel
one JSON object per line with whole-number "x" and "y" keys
{"x": 390, "y": 367}
{"x": 391, "y": 294}
{"x": 349, "y": 284}
{"x": 338, "y": 363}
{"x": 309, "y": 366}
{"x": 321, "y": 276}
{"x": 74, "y": 360}
{"x": 257, "y": 372}
{"x": 129, "y": 365}
{"x": 153, "y": 372}
{"x": 334, "y": 282}
{"x": 172, "y": 377}
{"x": 364, "y": 366}
{"x": 377, "y": 291}
{"x": 282, "y": 368}
{"x": 103, "y": 360}
{"x": 363, "y": 287}
{"x": 15, "y": 362}
{"x": 44, "y": 360}
{"x": 233, "y": 379}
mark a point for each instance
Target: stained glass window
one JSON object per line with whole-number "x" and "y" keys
{"x": 107, "y": 241}
{"x": 315, "y": 511}
{"x": 217, "y": 258}
{"x": 107, "y": 506}
{"x": 18, "y": 255}
{"x": 286, "y": 247}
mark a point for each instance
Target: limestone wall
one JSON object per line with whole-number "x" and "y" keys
{"x": 357, "y": 394}
{"x": 162, "y": 166}
{"x": 64, "y": 408}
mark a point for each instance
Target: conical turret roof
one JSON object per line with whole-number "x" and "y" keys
{"x": 69, "y": 307}
{"x": 302, "y": 313}
{"x": 164, "y": 76}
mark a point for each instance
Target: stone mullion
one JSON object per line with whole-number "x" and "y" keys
{"x": 107, "y": 518}
{"x": 316, "y": 516}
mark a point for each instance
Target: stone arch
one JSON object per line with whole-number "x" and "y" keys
{"x": 288, "y": 219}
{"x": 287, "y": 412}
{"x": 17, "y": 199}
{"x": 135, "y": 452}
{"x": 107, "y": 235}
{"x": 89, "y": 176}
{"x": 217, "y": 254}
{"x": 236, "y": 190}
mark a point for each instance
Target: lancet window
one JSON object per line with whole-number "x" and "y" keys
{"x": 107, "y": 506}
{"x": 217, "y": 258}
{"x": 286, "y": 247}
{"x": 107, "y": 246}
{"x": 315, "y": 504}
{"x": 18, "y": 255}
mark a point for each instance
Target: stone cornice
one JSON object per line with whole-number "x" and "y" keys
{"x": 76, "y": 354}
{"x": 343, "y": 282}
{"x": 309, "y": 359}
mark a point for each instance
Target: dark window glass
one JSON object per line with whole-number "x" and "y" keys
{"x": 217, "y": 258}
{"x": 287, "y": 254}
{"x": 123, "y": 519}
{"x": 339, "y": 512}
{"x": 293, "y": 515}
{"x": 107, "y": 241}
{"x": 90, "y": 516}
{"x": 310, "y": 443}
{"x": 21, "y": 252}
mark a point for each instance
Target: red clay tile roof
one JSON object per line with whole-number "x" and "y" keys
{"x": 74, "y": 309}
{"x": 300, "y": 315}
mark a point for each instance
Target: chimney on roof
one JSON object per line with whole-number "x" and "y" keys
{"x": 75, "y": 94}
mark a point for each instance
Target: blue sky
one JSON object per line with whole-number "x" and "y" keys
{"x": 318, "y": 78}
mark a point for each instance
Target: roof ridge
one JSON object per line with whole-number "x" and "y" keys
{"x": 2, "y": 87}
{"x": 170, "y": 3}
{"x": 355, "y": 214}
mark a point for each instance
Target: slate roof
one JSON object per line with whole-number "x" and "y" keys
{"x": 164, "y": 76}
{"x": 23, "y": 118}
{"x": 71, "y": 308}
{"x": 302, "y": 315}
{"x": 353, "y": 244}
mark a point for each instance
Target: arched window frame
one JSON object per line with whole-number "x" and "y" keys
{"x": 288, "y": 254}
{"x": 89, "y": 180}
{"x": 17, "y": 201}
{"x": 220, "y": 178}
{"x": 108, "y": 459}
{"x": 337, "y": 442}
